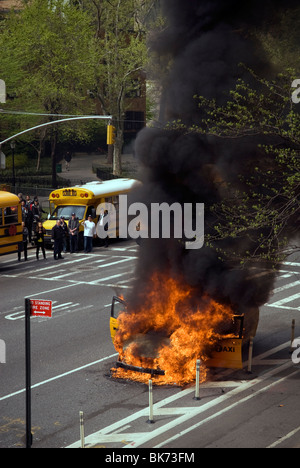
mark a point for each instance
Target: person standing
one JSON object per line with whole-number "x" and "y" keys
{"x": 37, "y": 210}
{"x": 29, "y": 221}
{"x": 58, "y": 235}
{"x": 68, "y": 159}
{"x": 39, "y": 239}
{"x": 65, "y": 229}
{"x": 22, "y": 247}
{"x": 73, "y": 233}
{"x": 89, "y": 233}
{"x": 29, "y": 202}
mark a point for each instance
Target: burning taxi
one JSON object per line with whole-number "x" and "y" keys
{"x": 165, "y": 341}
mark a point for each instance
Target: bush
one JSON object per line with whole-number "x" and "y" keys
{"x": 21, "y": 161}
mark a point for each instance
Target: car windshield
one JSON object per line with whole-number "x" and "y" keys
{"x": 66, "y": 212}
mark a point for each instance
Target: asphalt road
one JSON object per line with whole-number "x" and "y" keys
{"x": 72, "y": 355}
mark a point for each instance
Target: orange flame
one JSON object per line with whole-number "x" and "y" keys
{"x": 170, "y": 333}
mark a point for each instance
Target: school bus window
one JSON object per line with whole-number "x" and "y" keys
{"x": 67, "y": 210}
{"x": 11, "y": 215}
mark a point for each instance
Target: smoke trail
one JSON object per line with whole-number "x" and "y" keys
{"x": 205, "y": 42}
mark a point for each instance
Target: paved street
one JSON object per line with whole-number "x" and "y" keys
{"x": 139, "y": 116}
{"x": 72, "y": 355}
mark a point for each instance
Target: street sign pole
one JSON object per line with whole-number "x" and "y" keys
{"x": 28, "y": 373}
{"x": 33, "y": 308}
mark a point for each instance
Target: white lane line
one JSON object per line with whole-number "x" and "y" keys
{"x": 286, "y": 286}
{"x": 51, "y": 290}
{"x": 78, "y": 369}
{"x": 292, "y": 264}
{"x": 101, "y": 280}
{"x": 116, "y": 263}
{"x": 115, "y": 286}
{"x": 283, "y": 439}
{"x": 65, "y": 275}
{"x": 286, "y": 300}
{"x": 228, "y": 408}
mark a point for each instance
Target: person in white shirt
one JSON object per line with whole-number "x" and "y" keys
{"x": 89, "y": 233}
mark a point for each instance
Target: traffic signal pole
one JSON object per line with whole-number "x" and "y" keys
{"x": 54, "y": 122}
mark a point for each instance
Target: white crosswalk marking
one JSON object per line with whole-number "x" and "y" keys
{"x": 287, "y": 289}
{"x": 286, "y": 286}
{"x": 280, "y": 304}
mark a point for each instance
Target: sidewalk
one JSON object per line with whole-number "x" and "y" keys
{"x": 81, "y": 167}
{"x": 82, "y": 170}
{"x": 82, "y": 164}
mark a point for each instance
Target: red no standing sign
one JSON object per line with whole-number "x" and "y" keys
{"x": 40, "y": 308}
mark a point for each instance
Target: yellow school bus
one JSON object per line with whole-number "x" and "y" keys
{"x": 85, "y": 200}
{"x": 11, "y": 232}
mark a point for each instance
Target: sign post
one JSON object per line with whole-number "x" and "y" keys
{"x": 28, "y": 373}
{"x": 35, "y": 308}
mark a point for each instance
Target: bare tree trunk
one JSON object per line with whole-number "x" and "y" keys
{"x": 110, "y": 154}
{"x": 117, "y": 164}
{"x": 117, "y": 161}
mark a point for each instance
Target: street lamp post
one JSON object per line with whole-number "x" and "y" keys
{"x": 13, "y": 146}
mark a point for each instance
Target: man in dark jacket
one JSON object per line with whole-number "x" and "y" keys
{"x": 58, "y": 235}
{"x": 73, "y": 233}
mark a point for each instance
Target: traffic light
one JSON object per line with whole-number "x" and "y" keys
{"x": 111, "y": 135}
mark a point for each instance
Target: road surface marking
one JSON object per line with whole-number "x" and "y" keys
{"x": 73, "y": 371}
{"x": 138, "y": 439}
{"x": 286, "y": 286}
{"x": 282, "y": 439}
{"x": 230, "y": 407}
{"x": 281, "y": 304}
{"x": 51, "y": 290}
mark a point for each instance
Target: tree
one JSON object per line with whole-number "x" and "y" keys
{"x": 262, "y": 204}
{"x": 120, "y": 27}
{"x": 48, "y": 57}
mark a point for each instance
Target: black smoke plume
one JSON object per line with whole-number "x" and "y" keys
{"x": 205, "y": 41}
